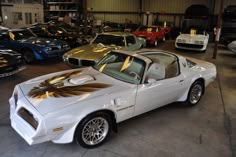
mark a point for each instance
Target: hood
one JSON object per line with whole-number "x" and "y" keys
{"x": 91, "y": 51}
{"x": 198, "y": 37}
{"x": 42, "y": 41}
{"x": 58, "y": 90}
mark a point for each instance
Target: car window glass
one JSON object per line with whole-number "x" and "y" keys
{"x": 21, "y": 34}
{"x": 109, "y": 40}
{"x": 163, "y": 66}
{"x": 130, "y": 40}
{"x": 4, "y": 37}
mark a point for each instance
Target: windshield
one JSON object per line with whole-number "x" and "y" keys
{"x": 22, "y": 34}
{"x": 147, "y": 29}
{"x": 110, "y": 40}
{"x": 194, "y": 30}
{"x": 55, "y": 30}
{"x": 122, "y": 67}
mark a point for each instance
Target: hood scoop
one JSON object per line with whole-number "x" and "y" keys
{"x": 79, "y": 80}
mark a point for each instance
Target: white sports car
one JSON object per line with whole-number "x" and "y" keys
{"x": 192, "y": 39}
{"x": 86, "y": 104}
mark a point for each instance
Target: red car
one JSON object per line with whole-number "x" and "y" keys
{"x": 152, "y": 34}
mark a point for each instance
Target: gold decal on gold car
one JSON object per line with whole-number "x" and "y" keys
{"x": 54, "y": 87}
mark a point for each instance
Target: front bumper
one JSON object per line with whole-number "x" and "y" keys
{"x": 21, "y": 126}
{"x": 191, "y": 46}
{"x": 12, "y": 72}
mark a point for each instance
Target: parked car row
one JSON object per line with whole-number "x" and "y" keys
{"x": 113, "y": 82}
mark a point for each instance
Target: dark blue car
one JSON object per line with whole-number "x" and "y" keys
{"x": 32, "y": 47}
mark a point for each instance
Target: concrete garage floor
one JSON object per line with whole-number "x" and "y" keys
{"x": 205, "y": 130}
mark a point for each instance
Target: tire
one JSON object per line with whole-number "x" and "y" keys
{"x": 156, "y": 42}
{"x": 28, "y": 56}
{"x": 164, "y": 39}
{"x": 90, "y": 126}
{"x": 195, "y": 93}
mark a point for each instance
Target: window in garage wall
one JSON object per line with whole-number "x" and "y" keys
{"x": 28, "y": 18}
{"x": 17, "y": 16}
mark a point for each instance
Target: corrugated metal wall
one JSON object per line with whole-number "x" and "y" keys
{"x": 121, "y": 18}
{"x": 114, "y": 5}
{"x": 168, "y": 6}
{"x": 171, "y": 6}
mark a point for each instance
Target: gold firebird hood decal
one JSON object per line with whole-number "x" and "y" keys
{"x": 54, "y": 87}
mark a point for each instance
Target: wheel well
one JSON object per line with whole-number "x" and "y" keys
{"x": 203, "y": 83}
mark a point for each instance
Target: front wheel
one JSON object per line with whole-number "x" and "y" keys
{"x": 28, "y": 56}
{"x": 195, "y": 93}
{"x": 94, "y": 130}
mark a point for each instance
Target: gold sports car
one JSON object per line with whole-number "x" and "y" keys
{"x": 88, "y": 55}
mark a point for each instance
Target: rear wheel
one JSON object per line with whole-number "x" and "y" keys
{"x": 156, "y": 42}
{"x": 94, "y": 130}
{"x": 195, "y": 93}
{"x": 28, "y": 56}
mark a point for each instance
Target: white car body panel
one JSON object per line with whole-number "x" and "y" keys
{"x": 196, "y": 42}
{"x": 58, "y": 117}
{"x": 232, "y": 46}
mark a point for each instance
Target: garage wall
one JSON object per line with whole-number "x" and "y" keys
{"x": 226, "y": 2}
{"x": 22, "y": 15}
{"x": 178, "y": 6}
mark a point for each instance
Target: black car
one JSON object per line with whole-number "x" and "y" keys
{"x": 73, "y": 38}
{"x": 11, "y": 62}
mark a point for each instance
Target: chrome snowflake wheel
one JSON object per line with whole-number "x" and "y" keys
{"x": 95, "y": 131}
{"x": 195, "y": 93}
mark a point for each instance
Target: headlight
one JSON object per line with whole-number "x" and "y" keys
{"x": 65, "y": 46}
{"x": 65, "y": 57}
{"x": 48, "y": 48}
{"x": 148, "y": 38}
{"x": 181, "y": 40}
{"x": 79, "y": 40}
{"x": 199, "y": 42}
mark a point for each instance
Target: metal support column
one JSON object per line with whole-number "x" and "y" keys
{"x": 85, "y": 16}
{"x": 1, "y": 12}
{"x": 218, "y": 29}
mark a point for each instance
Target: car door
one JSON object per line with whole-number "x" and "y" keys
{"x": 158, "y": 93}
{"x": 123, "y": 102}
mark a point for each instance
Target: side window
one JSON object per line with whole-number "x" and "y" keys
{"x": 130, "y": 40}
{"x": 4, "y": 37}
{"x": 172, "y": 69}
